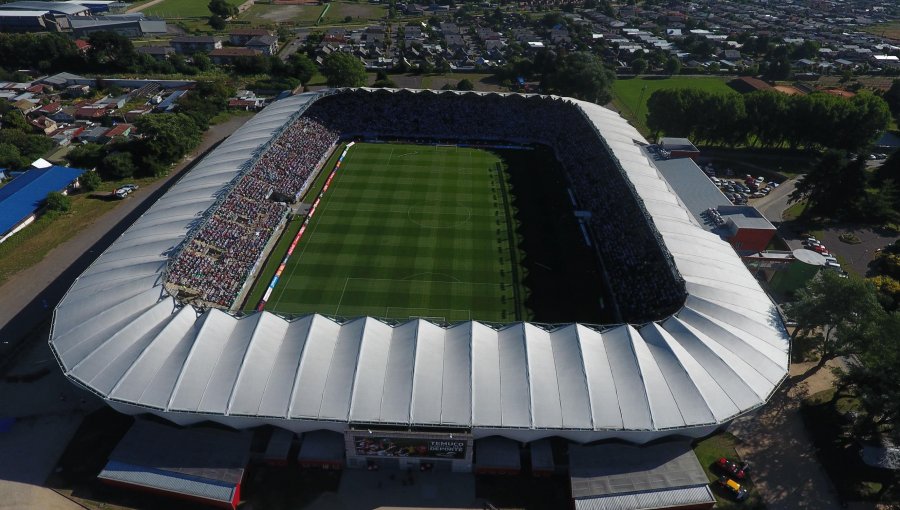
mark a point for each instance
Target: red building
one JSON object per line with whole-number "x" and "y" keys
{"x": 746, "y": 228}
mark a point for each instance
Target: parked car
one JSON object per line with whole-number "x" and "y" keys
{"x": 129, "y": 187}
{"x": 773, "y": 184}
{"x": 733, "y": 469}
{"x": 736, "y": 490}
{"x": 820, "y": 248}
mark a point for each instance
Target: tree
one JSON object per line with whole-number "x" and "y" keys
{"x": 14, "y": 119}
{"x": 118, "y": 165}
{"x": 874, "y": 374}
{"x": 302, "y": 68}
{"x": 638, "y": 66}
{"x": 88, "y": 155}
{"x": 465, "y": 84}
{"x": 834, "y": 183}
{"x": 90, "y": 181}
{"x": 835, "y": 312}
{"x": 217, "y": 22}
{"x": 222, "y": 8}
{"x": 166, "y": 138}
{"x": 892, "y": 98}
{"x": 386, "y": 83}
{"x": 10, "y": 157}
{"x": 57, "y": 202}
{"x": 583, "y": 76}
{"x": 673, "y": 65}
{"x": 111, "y": 50}
{"x": 778, "y": 69}
{"x": 344, "y": 70}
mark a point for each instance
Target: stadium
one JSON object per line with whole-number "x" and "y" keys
{"x": 203, "y": 311}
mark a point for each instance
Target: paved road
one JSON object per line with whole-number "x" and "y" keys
{"x": 772, "y": 205}
{"x": 48, "y": 408}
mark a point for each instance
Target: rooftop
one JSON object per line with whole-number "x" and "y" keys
{"x": 692, "y": 186}
{"x": 745, "y": 216}
{"x": 26, "y": 193}
{"x": 615, "y": 469}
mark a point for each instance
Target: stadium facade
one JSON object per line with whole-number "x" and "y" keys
{"x": 120, "y": 334}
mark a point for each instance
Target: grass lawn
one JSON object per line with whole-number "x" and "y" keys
{"x": 630, "y": 95}
{"x": 407, "y": 231}
{"x": 183, "y": 8}
{"x": 708, "y": 452}
{"x": 891, "y": 29}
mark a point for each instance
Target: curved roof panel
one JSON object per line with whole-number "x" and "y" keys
{"x": 118, "y": 333}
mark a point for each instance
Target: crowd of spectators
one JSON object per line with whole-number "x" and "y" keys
{"x": 222, "y": 253}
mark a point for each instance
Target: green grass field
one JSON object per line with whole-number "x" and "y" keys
{"x": 630, "y": 95}
{"x": 183, "y": 8}
{"x": 406, "y": 231}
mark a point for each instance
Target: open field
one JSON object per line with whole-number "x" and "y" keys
{"x": 407, "y": 231}
{"x": 269, "y": 14}
{"x": 183, "y": 8}
{"x": 890, "y": 30}
{"x": 630, "y": 95}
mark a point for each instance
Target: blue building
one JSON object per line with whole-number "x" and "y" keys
{"x": 23, "y": 197}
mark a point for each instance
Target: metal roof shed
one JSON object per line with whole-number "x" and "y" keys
{"x": 622, "y": 477}
{"x": 322, "y": 448}
{"x": 199, "y": 464}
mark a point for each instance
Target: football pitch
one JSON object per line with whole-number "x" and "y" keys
{"x": 406, "y": 231}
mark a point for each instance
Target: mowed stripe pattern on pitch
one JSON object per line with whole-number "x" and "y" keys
{"x": 406, "y": 231}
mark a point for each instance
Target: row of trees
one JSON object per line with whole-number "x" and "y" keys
{"x": 768, "y": 119}
{"x": 844, "y": 317}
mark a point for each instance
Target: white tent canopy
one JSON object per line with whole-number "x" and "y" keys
{"x": 118, "y": 333}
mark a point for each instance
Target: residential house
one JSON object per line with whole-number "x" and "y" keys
{"x": 157, "y": 52}
{"x": 228, "y": 55}
{"x": 190, "y": 44}
{"x": 265, "y": 44}
{"x": 94, "y": 134}
{"x": 43, "y": 125}
{"x": 77, "y": 90}
{"x": 241, "y": 36}
{"x": 119, "y": 130}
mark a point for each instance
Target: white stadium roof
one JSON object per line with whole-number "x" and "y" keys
{"x": 119, "y": 334}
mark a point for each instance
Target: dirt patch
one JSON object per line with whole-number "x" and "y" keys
{"x": 282, "y": 12}
{"x": 789, "y": 90}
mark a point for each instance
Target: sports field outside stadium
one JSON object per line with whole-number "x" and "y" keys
{"x": 405, "y": 231}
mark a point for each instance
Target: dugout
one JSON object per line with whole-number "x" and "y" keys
{"x": 542, "y": 463}
{"x": 497, "y": 455}
{"x": 278, "y": 448}
{"x": 321, "y": 449}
